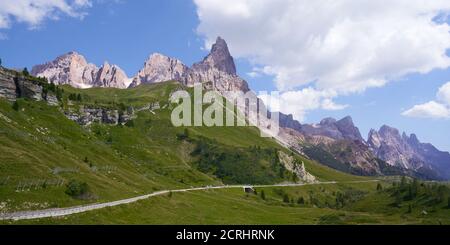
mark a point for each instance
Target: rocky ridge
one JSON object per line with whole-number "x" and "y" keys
{"x": 73, "y": 69}
{"x": 217, "y": 67}
{"x": 386, "y": 150}
{"x": 408, "y": 152}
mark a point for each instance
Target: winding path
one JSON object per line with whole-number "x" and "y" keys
{"x": 46, "y": 213}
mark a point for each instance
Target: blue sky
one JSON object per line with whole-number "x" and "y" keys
{"x": 127, "y": 32}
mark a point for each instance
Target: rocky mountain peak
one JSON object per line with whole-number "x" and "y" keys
{"x": 346, "y": 120}
{"x": 111, "y": 76}
{"x": 330, "y": 127}
{"x": 73, "y": 69}
{"x": 219, "y": 58}
{"x": 160, "y": 68}
{"x": 348, "y": 129}
{"x": 328, "y": 121}
{"x": 413, "y": 141}
{"x": 387, "y": 131}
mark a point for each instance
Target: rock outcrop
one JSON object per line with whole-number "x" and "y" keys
{"x": 86, "y": 116}
{"x": 15, "y": 85}
{"x": 8, "y": 87}
{"x": 73, "y": 69}
{"x": 296, "y": 167}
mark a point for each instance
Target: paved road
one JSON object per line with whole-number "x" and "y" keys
{"x": 46, "y": 213}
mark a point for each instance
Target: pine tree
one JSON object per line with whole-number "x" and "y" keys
{"x": 263, "y": 195}
{"x": 25, "y": 72}
{"x": 281, "y": 173}
{"x": 414, "y": 188}
{"x": 301, "y": 200}
{"x": 15, "y": 106}
{"x": 379, "y": 187}
{"x": 398, "y": 198}
{"x": 403, "y": 182}
{"x": 286, "y": 198}
{"x": 58, "y": 94}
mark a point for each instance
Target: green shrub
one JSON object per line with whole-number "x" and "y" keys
{"x": 25, "y": 72}
{"x": 263, "y": 196}
{"x": 76, "y": 188}
{"x": 286, "y": 198}
{"x": 15, "y": 106}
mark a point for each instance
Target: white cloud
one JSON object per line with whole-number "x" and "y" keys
{"x": 340, "y": 45}
{"x": 299, "y": 103}
{"x": 430, "y": 109}
{"x": 253, "y": 74}
{"x": 433, "y": 109}
{"x": 444, "y": 93}
{"x": 34, "y": 12}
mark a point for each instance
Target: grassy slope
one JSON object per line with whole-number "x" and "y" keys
{"x": 128, "y": 161}
{"x": 38, "y": 143}
{"x": 235, "y": 207}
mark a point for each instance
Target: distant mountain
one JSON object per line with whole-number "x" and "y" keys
{"x": 330, "y": 127}
{"x": 336, "y": 143}
{"x": 408, "y": 152}
{"x": 339, "y": 144}
{"x": 73, "y": 69}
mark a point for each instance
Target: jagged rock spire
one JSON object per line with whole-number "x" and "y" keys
{"x": 219, "y": 58}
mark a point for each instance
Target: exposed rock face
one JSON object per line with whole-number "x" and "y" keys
{"x": 218, "y": 68}
{"x": 14, "y": 85}
{"x": 29, "y": 89}
{"x": 51, "y": 99}
{"x": 73, "y": 69}
{"x": 389, "y": 145}
{"x": 160, "y": 68}
{"x": 111, "y": 76}
{"x": 219, "y": 59}
{"x": 338, "y": 130}
{"x": 408, "y": 152}
{"x": 287, "y": 121}
{"x": 87, "y": 116}
{"x": 298, "y": 168}
{"x": 7, "y": 85}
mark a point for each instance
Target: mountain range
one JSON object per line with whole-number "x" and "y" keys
{"x": 336, "y": 143}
